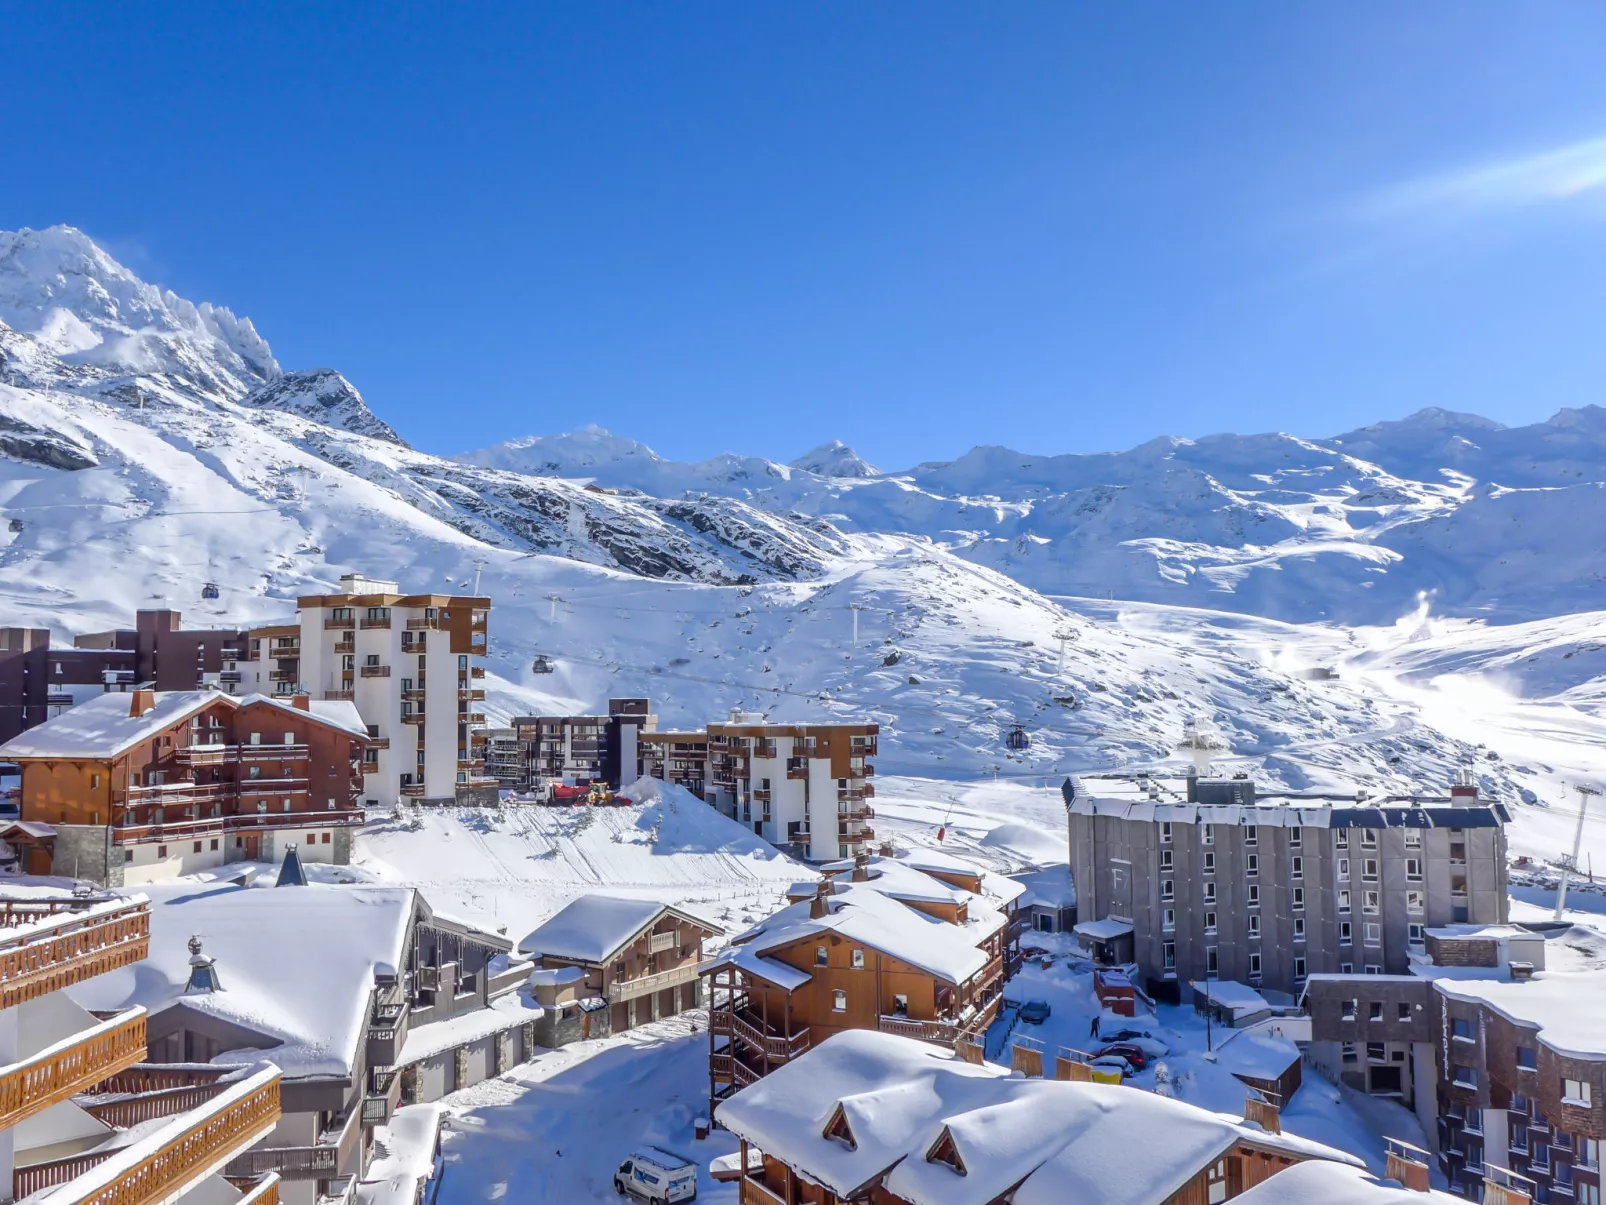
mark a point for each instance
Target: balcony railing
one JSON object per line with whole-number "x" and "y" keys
{"x": 338, "y": 694}
{"x": 370, "y": 622}
{"x": 476, "y": 671}
{"x": 375, "y": 671}
{"x": 413, "y": 790}
{"x": 756, "y": 1192}
{"x": 330, "y": 625}
{"x": 283, "y": 675}
{"x": 414, "y": 625}
{"x": 345, "y": 646}
{"x": 750, "y": 1029}
{"x": 168, "y": 1162}
{"x": 43, "y": 957}
{"x": 147, "y": 1091}
{"x": 724, "y": 1066}
{"x": 943, "y": 1033}
{"x": 274, "y": 752}
{"x": 71, "y": 1065}
{"x": 629, "y": 989}
{"x": 413, "y": 717}
{"x": 201, "y": 755}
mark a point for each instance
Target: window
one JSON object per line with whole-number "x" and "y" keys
{"x": 1341, "y": 839}
{"x": 1461, "y": 1029}
{"x": 1253, "y": 896}
{"x": 821, "y": 956}
{"x": 1212, "y": 965}
{"x": 1373, "y": 968}
{"x": 161, "y": 851}
{"x": 1527, "y": 1058}
{"x": 1369, "y": 868}
{"x": 1210, "y": 863}
{"x": 1376, "y": 1052}
{"x": 1165, "y": 859}
{"x": 1168, "y": 919}
{"x": 1254, "y": 927}
{"x": 1349, "y": 1009}
{"x": 1210, "y": 922}
{"x": 1345, "y": 933}
{"x": 1417, "y": 931}
{"x": 1416, "y": 901}
{"x": 839, "y": 1001}
{"x": 1299, "y": 928}
{"x": 1295, "y": 840}
{"x": 1299, "y": 967}
{"x": 1165, "y": 830}
{"x": 1370, "y": 902}
{"x": 1296, "y": 868}
{"x": 94, "y": 782}
{"x": 1368, "y": 838}
{"x": 1297, "y": 899}
{"x": 858, "y": 959}
{"x": 1575, "y": 1092}
{"x": 214, "y": 840}
{"x": 1251, "y": 834}
{"x": 1374, "y": 933}
{"x": 1413, "y": 869}
{"x": 1207, "y": 834}
{"x": 1209, "y": 893}
{"x": 1168, "y": 955}
{"x": 1346, "y": 968}
{"x": 1465, "y": 1077}
{"x": 1252, "y": 864}
{"x": 1343, "y": 870}
{"x": 1254, "y": 966}
{"x": 1374, "y": 1011}
{"x": 1413, "y": 838}
{"x": 1168, "y": 889}
{"x": 197, "y": 847}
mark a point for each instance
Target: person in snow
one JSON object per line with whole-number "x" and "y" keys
{"x": 1093, "y": 1028}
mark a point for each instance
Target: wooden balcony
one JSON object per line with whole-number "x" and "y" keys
{"x": 414, "y": 625}
{"x": 201, "y": 755}
{"x": 756, "y": 1192}
{"x": 274, "y": 752}
{"x": 723, "y": 1066}
{"x": 413, "y": 693}
{"x": 379, "y": 742}
{"x": 283, "y": 675}
{"x": 338, "y": 694}
{"x": 413, "y": 790}
{"x": 476, "y": 671}
{"x": 50, "y": 954}
{"x": 366, "y": 624}
{"x": 643, "y": 985}
{"x": 942, "y": 1033}
{"x": 413, "y": 717}
{"x": 331, "y": 625}
{"x": 177, "y": 1156}
{"x": 33, "y": 1084}
{"x": 345, "y": 646}
{"x": 374, "y": 671}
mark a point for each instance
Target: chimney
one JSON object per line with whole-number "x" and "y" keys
{"x": 819, "y": 908}
{"x": 203, "y": 970}
{"x": 141, "y": 702}
{"x": 1504, "y": 1187}
{"x": 1409, "y": 1165}
{"x": 887, "y": 850}
{"x": 301, "y": 701}
{"x": 1464, "y": 787}
{"x": 861, "y": 867}
{"x": 1193, "y": 784}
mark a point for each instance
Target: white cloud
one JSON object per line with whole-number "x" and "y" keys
{"x": 1566, "y": 174}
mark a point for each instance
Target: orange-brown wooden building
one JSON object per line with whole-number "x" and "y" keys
{"x": 131, "y": 788}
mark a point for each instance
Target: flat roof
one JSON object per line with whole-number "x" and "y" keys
{"x": 1130, "y": 798}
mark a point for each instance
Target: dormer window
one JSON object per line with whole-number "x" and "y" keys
{"x": 944, "y": 1151}
{"x": 837, "y": 1127}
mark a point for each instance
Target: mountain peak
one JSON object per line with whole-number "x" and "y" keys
{"x": 65, "y": 291}
{"x": 324, "y": 396}
{"x": 835, "y": 459}
{"x": 572, "y": 454}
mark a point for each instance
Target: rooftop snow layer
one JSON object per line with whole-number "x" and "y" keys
{"x": 1336, "y": 1184}
{"x": 749, "y": 961}
{"x": 295, "y": 965}
{"x": 1565, "y": 1007}
{"x": 1050, "y": 887}
{"x": 898, "y": 1097}
{"x": 595, "y": 927}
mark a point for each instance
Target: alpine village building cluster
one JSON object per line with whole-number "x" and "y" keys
{"x": 860, "y": 1044}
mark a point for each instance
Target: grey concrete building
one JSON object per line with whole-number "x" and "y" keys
{"x": 1220, "y": 881}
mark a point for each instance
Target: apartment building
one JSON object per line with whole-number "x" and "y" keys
{"x": 876, "y": 1117}
{"x": 132, "y": 788}
{"x": 1503, "y": 1060}
{"x": 169, "y": 656}
{"x": 61, "y": 1133}
{"x": 805, "y": 785}
{"x": 38, "y": 681}
{"x": 579, "y": 750}
{"x": 677, "y": 757}
{"x": 1210, "y": 879}
{"x": 410, "y": 663}
{"x": 504, "y": 757}
{"x": 858, "y": 951}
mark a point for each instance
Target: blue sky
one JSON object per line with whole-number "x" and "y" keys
{"x": 915, "y": 227}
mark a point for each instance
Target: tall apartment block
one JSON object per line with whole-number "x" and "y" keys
{"x": 38, "y": 682}
{"x": 1197, "y": 879}
{"x": 584, "y": 749}
{"x": 798, "y": 784}
{"x": 411, "y": 664}
{"x": 677, "y": 757}
{"x": 169, "y": 656}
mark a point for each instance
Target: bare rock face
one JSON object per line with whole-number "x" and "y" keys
{"x": 325, "y": 397}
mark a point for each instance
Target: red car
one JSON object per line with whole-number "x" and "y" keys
{"x": 1129, "y": 1052}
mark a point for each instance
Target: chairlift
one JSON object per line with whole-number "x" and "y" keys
{"x": 1017, "y": 738}
{"x": 541, "y": 665}
{"x": 17, "y": 525}
{"x": 209, "y": 591}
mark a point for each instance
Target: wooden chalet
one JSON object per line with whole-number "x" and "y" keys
{"x": 641, "y": 956}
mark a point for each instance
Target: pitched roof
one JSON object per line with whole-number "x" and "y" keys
{"x": 899, "y": 1100}
{"x": 1337, "y": 1184}
{"x": 595, "y": 927}
{"x": 102, "y": 726}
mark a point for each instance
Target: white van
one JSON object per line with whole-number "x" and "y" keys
{"x": 658, "y": 1176}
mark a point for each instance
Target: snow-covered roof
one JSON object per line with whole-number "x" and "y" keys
{"x": 904, "y": 882}
{"x": 1337, "y": 1184}
{"x": 1230, "y": 994}
{"x": 555, "y": 976}
{"x": 404, "y": 1155}
{"x": 862, "y": 914}
{"x": 297, "y": 965}
{"x": 515, "y": 1008}
{"x": 102, "y": 726}
{"x": 1103, "y": 930}
{"x": 595, "y": 927}
{"x": 1155, "y": 800}
{"x": 1050, "y": 887}
{"x": 750, "y": 962}
{"x": 1565, "y": 1007}
{"x": 898, "y": 1097}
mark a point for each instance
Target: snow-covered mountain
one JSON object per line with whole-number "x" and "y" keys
{"x": 149, "y": 446}
{"x": 1487, "y": 520}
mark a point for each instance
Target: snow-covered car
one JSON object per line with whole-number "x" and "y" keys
{"x": 1130, "y": 1051}
{"x": 1113, "y": 1062}
{"x": 658, "y": 1176}
{"x": 1035, "y": 1012}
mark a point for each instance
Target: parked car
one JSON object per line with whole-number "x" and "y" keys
{"x": 1129, "y": 1051}
{"x": 1035, "y": 1012}
{"x": 1113, "y": 1062}
{"x": 656, "y": 1176}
